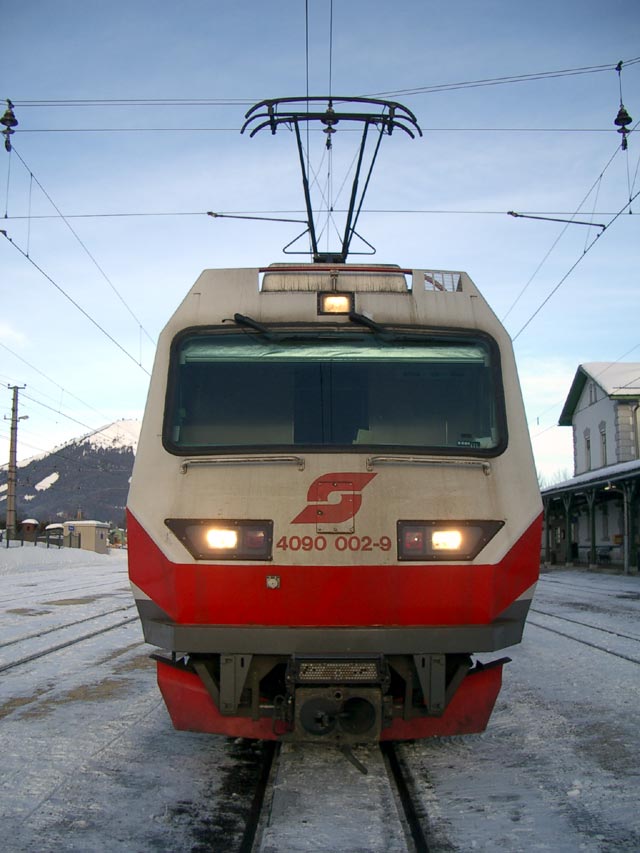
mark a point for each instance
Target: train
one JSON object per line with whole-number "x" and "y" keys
{"x": 334, "y": 517}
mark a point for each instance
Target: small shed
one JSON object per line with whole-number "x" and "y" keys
{"x": 29, "y": 529}
{"x": 92, "y": 535}
{"x": 54, "y": 534}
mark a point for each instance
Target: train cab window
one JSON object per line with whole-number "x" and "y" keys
{"x": 229, "y": 391}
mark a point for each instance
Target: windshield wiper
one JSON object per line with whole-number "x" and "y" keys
{"x": 363, "y": 320}
{"x": 386, "y": 335}
{"x": 250, "y": 323}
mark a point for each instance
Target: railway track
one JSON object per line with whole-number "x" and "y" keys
{"x": 590, "y": 643}
{"x": 30, "y": 648}
{"x": 585, "y": 586}
{"x": 307, "y": 797}
{"x": 406, "y": 796}
{"x": 634, "y": 637}
{"x": 99, "y": 587}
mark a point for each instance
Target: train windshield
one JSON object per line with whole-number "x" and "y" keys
{"x": 232, "y": 391}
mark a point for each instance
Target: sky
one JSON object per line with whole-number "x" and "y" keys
{"x": 105, "y": 204}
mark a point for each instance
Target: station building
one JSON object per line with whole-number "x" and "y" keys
{"x": 90, "y": 535}
{"x": 594, "y": 517}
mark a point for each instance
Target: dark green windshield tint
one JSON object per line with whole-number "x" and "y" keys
{"x": 240, "y": 391}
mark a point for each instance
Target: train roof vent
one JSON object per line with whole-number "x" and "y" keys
{"x": 440, "y": 280}
{"x": 317, "y": 277}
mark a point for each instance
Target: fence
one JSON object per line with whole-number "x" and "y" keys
{"x": 52, "y": 539}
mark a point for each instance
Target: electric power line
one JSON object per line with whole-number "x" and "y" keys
{"x": 75, "y": 304}
{"x": 574, "y": 265}
{"x": 53, "y": 381}
{"x": 82, "y": 244}
{"x": 273, "y": 213}
{"x": 235, "y": 102}
{"x": 498, "y": 81}
{"x": 561, "y": 234}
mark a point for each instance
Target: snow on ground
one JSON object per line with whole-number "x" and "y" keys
{"x": 558, "y": 768}
{"x": 28, "y": 557}
{"x": 90, "y": 761}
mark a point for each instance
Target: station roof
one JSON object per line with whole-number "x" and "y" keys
{"x": 608, "y": 475}
{"x": 618, "y": 380}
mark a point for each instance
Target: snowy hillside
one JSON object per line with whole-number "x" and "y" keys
{"x": 89, "y": 475}
{"x": 121, "y": 434}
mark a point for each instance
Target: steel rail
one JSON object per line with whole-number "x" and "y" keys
{"x": 255, "y": 818}
{"x": 636, "y": 638}
{"x": 585, "y": 642}
{"x": 402, "y": 783}
{"x": 60, "y": 646}
{"x": 38, "y": 634}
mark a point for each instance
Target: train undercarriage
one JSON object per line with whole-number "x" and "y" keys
{"x": 340, "y": 700}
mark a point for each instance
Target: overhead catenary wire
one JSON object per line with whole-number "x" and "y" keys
{"x": 53, "y": 381}
{"x": 573, "y": 266}
{"x": 596, "y": 376}
{"x": 82, "y": 244}
{"x": 504, "y": 80}
{"x": 92, "y": 430}
{"x": 76, "y": 305}
{"x": 183, "y": 130}
{"x": 274, "y": 215}
{"x": 330, "y": 47}
{"x": 57, "y": 411}
{"x": 235, "y": 102}
{"x": 595, "y": 184}
{"x": 394, "y": 212}
{"x": 59, "y": 454}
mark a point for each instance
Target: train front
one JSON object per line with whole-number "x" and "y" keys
{"x": 334, "y": 507}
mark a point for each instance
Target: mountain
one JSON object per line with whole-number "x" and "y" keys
{"x": 89, "y": 475}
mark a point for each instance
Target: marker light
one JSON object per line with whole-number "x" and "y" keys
{"x": 432, "y": 541}
{"x": 224, "y": 539}
{"x": 335, "y": 303}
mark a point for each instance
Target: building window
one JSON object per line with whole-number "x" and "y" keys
{"x": 587, "y": 450}
{"x": 603, "y": 445}
{"x": 592, "y": 393}
{"x": 605, "y": 522}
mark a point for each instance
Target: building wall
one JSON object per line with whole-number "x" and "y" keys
{"x": 94, "y": 535}
{"x": 626, "y": 431}
{"x": 595, "y": 430}
{"x": 609, "y": 524}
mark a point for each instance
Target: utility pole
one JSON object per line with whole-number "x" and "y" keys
{"x": 12, "y": 473}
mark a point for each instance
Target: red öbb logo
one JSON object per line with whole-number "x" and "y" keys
{"x": 348, "y": 486}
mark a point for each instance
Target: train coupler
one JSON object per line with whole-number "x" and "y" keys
{"x": 338, "y": 700}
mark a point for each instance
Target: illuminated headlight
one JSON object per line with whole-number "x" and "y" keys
{"x": 221, "y": 539}
{"x": 444, "y": 540}
{"x": 335, "y": 303}
{"x": 224, "y": 539}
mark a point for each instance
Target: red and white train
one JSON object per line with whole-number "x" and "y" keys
{"x": 334, "y": 505}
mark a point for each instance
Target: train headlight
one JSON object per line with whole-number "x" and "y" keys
{"x": 221, "y": 539}
{"x": 444, "y": 540}
{"x": 335, "y": 303}
{"x": 224, "y": 539}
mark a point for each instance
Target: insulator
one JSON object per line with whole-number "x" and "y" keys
{"x": 623, "y": 118}
{"x": 329, "y": 117}
{"x": 9, "y": 119}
